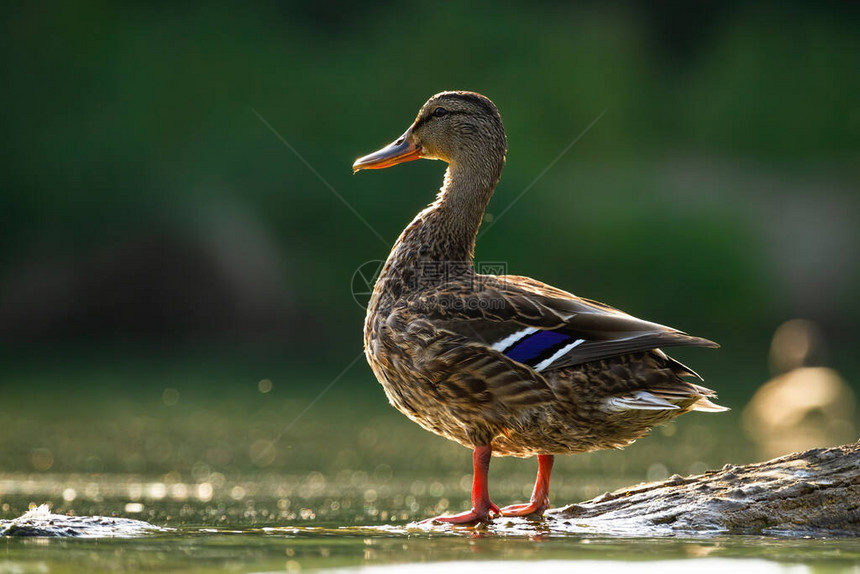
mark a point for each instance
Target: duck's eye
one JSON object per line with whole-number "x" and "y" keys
{"x": 439, "y": 112}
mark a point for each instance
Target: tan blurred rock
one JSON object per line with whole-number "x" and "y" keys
{"x": 802, "y": 406}
{"x": 805, "y": 408}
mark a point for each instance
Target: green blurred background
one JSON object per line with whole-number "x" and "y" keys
{"x": 162, "y": 247}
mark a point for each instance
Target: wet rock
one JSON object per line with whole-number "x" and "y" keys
{"x": 816, "y": 492}
{"x": 40, "y": 522}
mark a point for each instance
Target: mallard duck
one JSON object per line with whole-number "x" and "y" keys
{"x": 502, "y": 364}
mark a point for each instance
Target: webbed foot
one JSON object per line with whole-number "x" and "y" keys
{"x": 526, "y": 509}
{"x": 469, "y": 517}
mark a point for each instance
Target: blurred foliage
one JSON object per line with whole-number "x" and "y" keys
{"x": 144, "y": 202}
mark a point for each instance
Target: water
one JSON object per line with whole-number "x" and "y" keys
{"x": 279, "y": 549}
{"x": 271, "y": 475}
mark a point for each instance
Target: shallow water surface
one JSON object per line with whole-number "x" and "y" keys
{"x": 291, "y": 549}
{"x": 284, "y": 477}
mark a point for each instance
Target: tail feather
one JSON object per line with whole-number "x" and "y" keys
{"x": 640, "y": 400}
{"x": 706, "y": 406}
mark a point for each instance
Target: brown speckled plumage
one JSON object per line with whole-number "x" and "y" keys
{"x": 438, "y": 335}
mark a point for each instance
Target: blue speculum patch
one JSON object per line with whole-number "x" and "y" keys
{"x": 533, "y": 345}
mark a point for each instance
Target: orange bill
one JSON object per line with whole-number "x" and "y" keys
{"x": 399, "y": 151}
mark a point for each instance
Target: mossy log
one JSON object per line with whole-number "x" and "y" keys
{"x": 815, "y": 492}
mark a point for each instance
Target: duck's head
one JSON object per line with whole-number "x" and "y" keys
{"x": 455, "y": 127}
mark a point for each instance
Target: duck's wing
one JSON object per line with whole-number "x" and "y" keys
{"x": 543, "y": 327}
{"x": 471, "y": 378}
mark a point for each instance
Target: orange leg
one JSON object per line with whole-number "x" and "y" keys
{"x": 482, "y": 506}
{"x": 540, "y": 495}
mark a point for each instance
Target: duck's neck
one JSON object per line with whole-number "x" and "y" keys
{"x": 447, "y": 229}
